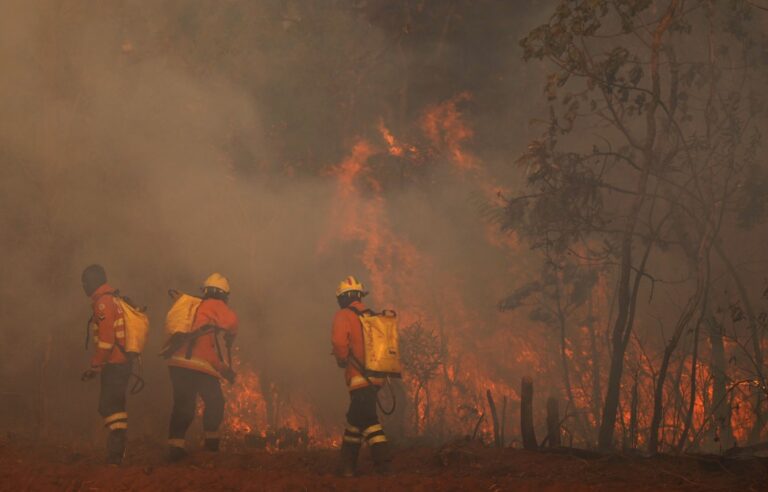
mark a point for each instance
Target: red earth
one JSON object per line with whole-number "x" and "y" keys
{"x": 27, "y": 465}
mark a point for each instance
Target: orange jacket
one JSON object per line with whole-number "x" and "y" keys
{"x": 108, "y": 328}
{"x": 346, "y": 338}
{"x": 204, "y": 356}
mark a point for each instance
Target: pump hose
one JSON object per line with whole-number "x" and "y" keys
{"x": 394, "y": 399}
{"x": 138, "y": 383}
{"x": 361, "y": 370}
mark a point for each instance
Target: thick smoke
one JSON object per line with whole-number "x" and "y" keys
{"x": 148, "y": 137}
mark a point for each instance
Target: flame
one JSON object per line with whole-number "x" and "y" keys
{"x": 294, "y": 423}
{"x": 407, "y": 278}
{"x": 363, "y": 218}
{"x": 394, "y": 148}
{"x": 444, "y": 125}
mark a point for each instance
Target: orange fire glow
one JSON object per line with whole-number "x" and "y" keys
{"x": 404, "y": 277}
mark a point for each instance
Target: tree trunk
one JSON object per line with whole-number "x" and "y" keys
{"x": 416, "y": 403}
{"x": 682, "y": 323}
{"x": 627, "y": 300}
{"x": 611, "y": 403}
{"x": 721, "y": 430}
{"x": 565, "y": 366}
{"x": 623, "y": 326}
{"x": 427, "y": 406}
{"x": 553, "y": 423}
{"x": 635, "y": 400}
{"x": 658, "y": 394}
{"x": 692, "y": 402}
{"x": 503, "y": 420}
{"x": 756, "y": 336}
{"x": 495, "y": 416}
{"x": 596, "y": 391}
{"x": 679, "y": 399}
{"x": 526, "y": 414}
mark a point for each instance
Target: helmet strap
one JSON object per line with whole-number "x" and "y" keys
{"x": 347, "y": 298}
{"x": 215, "y": 293}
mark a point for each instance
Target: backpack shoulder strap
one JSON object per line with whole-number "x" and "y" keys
{"x": 113, "y": 293}
{"x": 354, "y": 310}
{"x": 360, "y": 313}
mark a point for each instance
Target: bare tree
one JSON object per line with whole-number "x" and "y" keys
{"x": 422, "y": 357}
{"x": 559, "y": 293}
{"x": 673, "y": 146}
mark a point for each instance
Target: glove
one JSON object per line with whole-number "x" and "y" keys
{"x": 88, "y": 375}
{"x": 341, "y": 363}
{"x": 228, "y": 374}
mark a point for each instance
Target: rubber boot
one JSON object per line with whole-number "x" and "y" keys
{"x": 175, "y": 454}
{"x": 349, "y": 452}
{"x": 381, "y": 458}
{"x": 116, "y": 446}
{"x": 212, "y": 444}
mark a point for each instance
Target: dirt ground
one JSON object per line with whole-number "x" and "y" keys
{"x": 28, "y": 466}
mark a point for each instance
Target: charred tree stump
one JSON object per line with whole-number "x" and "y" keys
{"x": 495, "y": 416}
{"x": 503, "y": 420}
{"x": 477, "y": 426}
{"x": 553, "y": 423}
{"x": 526, "y": 415}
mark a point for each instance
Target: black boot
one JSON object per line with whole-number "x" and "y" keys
{"x": 349, "y": 452}
{"x": 116, "y": 446}
{"x": 212, "y": 444}
{"x": 381, "y": 457}
{"x": 175, "y": 454}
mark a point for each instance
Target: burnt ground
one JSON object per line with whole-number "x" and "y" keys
{"x": 26, "y": 465}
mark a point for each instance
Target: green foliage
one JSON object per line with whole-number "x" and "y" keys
{"x": 567, "y": 203}
{"x": 600, "y": 92}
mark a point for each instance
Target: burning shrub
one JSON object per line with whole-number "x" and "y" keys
{"x": 421, "y": 356}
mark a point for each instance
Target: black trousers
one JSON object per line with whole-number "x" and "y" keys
{"x": 187, "y": 384}
{"x": 114, "y": 384}
{"x": 362, "y": 419}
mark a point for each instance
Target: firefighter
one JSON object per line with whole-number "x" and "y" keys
{"x": 362, "y": 420}
{"x": 109, "y": 359}
{"x": 197, "y": 366}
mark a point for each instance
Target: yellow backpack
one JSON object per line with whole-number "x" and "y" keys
{"x": 136, "y": 326}
{"x": 380, "y": 342}
{"x": 182, "y": 313}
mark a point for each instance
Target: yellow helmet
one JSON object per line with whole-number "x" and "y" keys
{"x": 349, "y": 284}
{"x": 217, "y": 281}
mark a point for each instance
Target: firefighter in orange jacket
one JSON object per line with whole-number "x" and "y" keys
{"x": 109, "y": 359}
{"x": 362, "y": 419}
{"x": 198, "y": 365}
